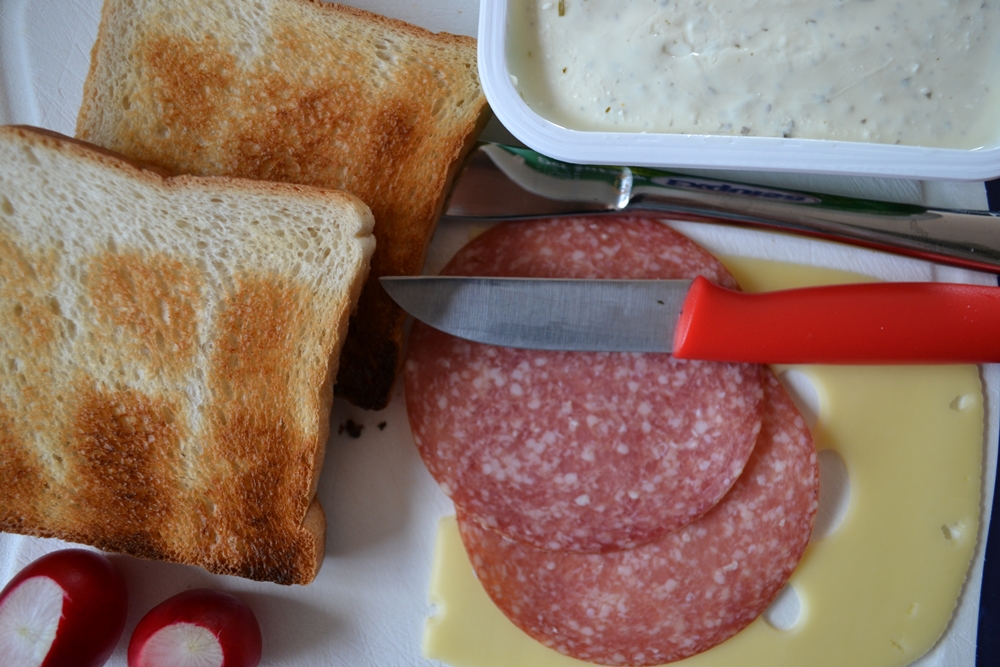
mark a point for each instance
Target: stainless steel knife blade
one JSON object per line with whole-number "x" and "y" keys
{"x": 504, "y": 182}
{"x": 547, "y": 314}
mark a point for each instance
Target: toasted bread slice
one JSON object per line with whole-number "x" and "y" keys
{"x": 167, "y": 349}
{"x": 301, "y": 92}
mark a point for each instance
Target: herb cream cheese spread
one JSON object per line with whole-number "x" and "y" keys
{"x": 921, "y": 72}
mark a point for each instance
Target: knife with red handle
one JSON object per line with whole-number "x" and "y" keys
{"x": 845, "y": 324}
{"x": 866, "y": 323}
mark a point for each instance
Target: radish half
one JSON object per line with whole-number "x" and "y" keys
{"x": 66, "y": 609}
{"x": 197, "y": 628}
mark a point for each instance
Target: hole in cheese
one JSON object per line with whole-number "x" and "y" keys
{"x": 953, "y": 531}
{"x": 961, "y": 403}
{"x": 786, "y": 610}
{"x": 834, "y": 494}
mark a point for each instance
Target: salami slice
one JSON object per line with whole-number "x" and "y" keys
{"x": 680, "y": 595}
{"x": 587, "y": 452}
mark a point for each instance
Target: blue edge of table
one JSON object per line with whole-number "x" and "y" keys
{"x": 988, "y": 639}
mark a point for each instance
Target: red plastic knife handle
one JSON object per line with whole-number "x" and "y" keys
{"x": 869, "y": 323}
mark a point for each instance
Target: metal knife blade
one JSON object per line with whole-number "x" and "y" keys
{"x": 503, "y": 182}
{"x": 853, "y": 324}
{"x": 549, "y": 314}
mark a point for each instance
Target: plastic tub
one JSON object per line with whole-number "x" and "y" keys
{"x": 707, "y": 151}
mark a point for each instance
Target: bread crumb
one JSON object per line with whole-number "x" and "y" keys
{"x": 352, "y": 428}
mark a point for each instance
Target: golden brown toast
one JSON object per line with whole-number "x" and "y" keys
{"x": 302, "y": 92}
{"x": 167, "y": 349}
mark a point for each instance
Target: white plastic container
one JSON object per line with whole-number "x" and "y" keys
{"x": 707, "y": 151}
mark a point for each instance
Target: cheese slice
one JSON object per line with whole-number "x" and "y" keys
{"x": 879, "y": 590}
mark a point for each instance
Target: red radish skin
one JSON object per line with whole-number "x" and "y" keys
{"x": 65, "y": 609}
{"x": 197, "y": 628}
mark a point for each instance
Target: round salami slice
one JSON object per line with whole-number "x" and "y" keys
{"x": 580, "y": 451}
{"x": 680, "y": 595}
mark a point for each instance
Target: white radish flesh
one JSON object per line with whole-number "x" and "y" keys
{"x": 183, "y": 645}
{"x": 29, "y": 618}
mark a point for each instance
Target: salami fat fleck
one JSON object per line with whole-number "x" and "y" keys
{"x": 586, "y": 452}
{"x": 680, "y": 595}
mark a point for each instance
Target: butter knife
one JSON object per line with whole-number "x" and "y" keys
{"x": 503, "y": 182}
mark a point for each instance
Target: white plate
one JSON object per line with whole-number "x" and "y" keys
{"x": 683, "y": 151}
{"x": 369, "y": 602}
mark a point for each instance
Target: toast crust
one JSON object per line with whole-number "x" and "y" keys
{"x": 298, "y": 91}
{"x": 168, "y": 363}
